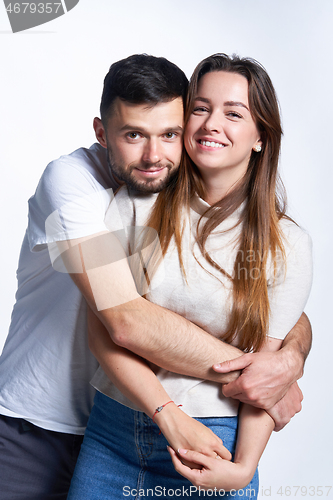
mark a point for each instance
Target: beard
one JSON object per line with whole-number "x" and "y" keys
{"x": 127, "y": 176}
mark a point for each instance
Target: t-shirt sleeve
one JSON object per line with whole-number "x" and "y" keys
{"x": 289, "y": 293}
{"x": 69, "y": 203}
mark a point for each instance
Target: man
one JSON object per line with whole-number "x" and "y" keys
{"x": 46, "y": 365}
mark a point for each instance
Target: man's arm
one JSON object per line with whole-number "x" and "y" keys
{"x": 166, "y": 338}
{"x": 153, "y": 332}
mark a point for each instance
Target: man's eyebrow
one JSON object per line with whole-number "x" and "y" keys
{"x": 227, "y": 103}
{"x": 178, "y": 128}
{"x": 129, "y": 127}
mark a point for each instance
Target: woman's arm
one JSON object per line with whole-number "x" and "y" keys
{"x": 254, "y": 430}
{"x": 135, "y": 379}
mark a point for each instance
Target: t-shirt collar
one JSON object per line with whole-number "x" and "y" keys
{"x": 200, "y": 206}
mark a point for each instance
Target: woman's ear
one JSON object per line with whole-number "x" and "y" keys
{"x": 258, "y": 146}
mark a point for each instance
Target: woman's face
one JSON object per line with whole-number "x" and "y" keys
{"x": 221, "y": 133}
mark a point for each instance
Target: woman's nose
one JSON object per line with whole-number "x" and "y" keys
{"x": 213, "y": 123}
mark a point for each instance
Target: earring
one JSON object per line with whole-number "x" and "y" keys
{"x": 257, "y": 148}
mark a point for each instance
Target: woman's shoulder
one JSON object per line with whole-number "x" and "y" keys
{"x": 294, "y": 235}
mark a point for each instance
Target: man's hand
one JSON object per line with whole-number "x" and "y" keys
{"x": 270, "y": 375}
{"x": 265, "y": 378}
{"x": 267, "y": 381}
{"x": 283, "y": 411}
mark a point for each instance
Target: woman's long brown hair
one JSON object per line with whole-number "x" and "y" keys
{"x": 260, "y": 235}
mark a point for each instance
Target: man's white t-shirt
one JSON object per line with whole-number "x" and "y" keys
{"x": 46, "y": 365}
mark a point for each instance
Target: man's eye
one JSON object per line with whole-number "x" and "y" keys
{"x": 133, "y": 135}
{"x": 170, "y": 135}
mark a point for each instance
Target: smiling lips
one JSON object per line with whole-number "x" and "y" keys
{"x": 150, "y": 172}
{"x": 211, "y": 144}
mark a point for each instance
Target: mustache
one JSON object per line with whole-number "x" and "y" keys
{"x": 151, "y": 166}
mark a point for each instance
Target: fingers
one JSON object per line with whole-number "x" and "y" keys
{"x": 194, "y": 457}
{"x": 213, "y": 447}
{"x": 246, "y": 390}
{"x": 234, "y": 389}
{"x": 281, "y": 423}
{"x": 286, "y": 408}
{"x": 223, "y": 452}
{"x": 179, "y": 467}
{"x": 186, "y": 471}
{"x": 280, "y": 426}
{"x": 233, "y": 364}
{"x": 299, "y": 392}
{"x": 285, "y": 414}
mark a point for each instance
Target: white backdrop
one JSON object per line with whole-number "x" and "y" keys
{"x": 51, "y": 82}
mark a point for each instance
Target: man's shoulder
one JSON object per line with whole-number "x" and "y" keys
{"x": 80, "y": 179}
{"x": 83, "y": 172}
{"x": 83, "y": 161}
{"x": 71, "y": 198}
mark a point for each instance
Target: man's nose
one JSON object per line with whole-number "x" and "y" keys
{"x": 153, "y": 152}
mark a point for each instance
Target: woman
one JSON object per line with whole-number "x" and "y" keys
{"x": 235, "y": 264}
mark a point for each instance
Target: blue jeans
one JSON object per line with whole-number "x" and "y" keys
{"x": 123, "y": 455}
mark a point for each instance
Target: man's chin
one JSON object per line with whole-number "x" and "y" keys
{"x": 148, "y": 187}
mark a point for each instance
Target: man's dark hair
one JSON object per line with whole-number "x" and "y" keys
{"x": 141, "y": 79}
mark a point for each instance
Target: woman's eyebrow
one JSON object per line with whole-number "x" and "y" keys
{"x": 203, "y": 99}
{"x": 227, "y": 103}
{"x": 236, "y": 103}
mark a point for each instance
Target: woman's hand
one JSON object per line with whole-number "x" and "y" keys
{"x": 182, "y": 431}
{"x": 210, "y": 473}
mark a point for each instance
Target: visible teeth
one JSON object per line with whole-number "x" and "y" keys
{"x": 212, "y": 144}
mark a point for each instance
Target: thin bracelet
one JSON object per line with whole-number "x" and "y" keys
{"x": 160, "y": 408}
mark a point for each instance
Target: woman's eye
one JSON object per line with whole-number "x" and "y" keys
{"x": 199, "y": 109}
{"x": 233, "y": 114}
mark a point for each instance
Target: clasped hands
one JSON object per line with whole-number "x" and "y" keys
{"x": 274, "y": 390}
{"x": 267, "y": 381}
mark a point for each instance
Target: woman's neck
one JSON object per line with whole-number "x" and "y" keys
{"x": 218, "y": 186}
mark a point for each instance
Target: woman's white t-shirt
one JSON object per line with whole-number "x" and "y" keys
{"x": 206, "y": 300}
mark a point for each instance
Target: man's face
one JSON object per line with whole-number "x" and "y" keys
{"x": 144, "y": 143}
